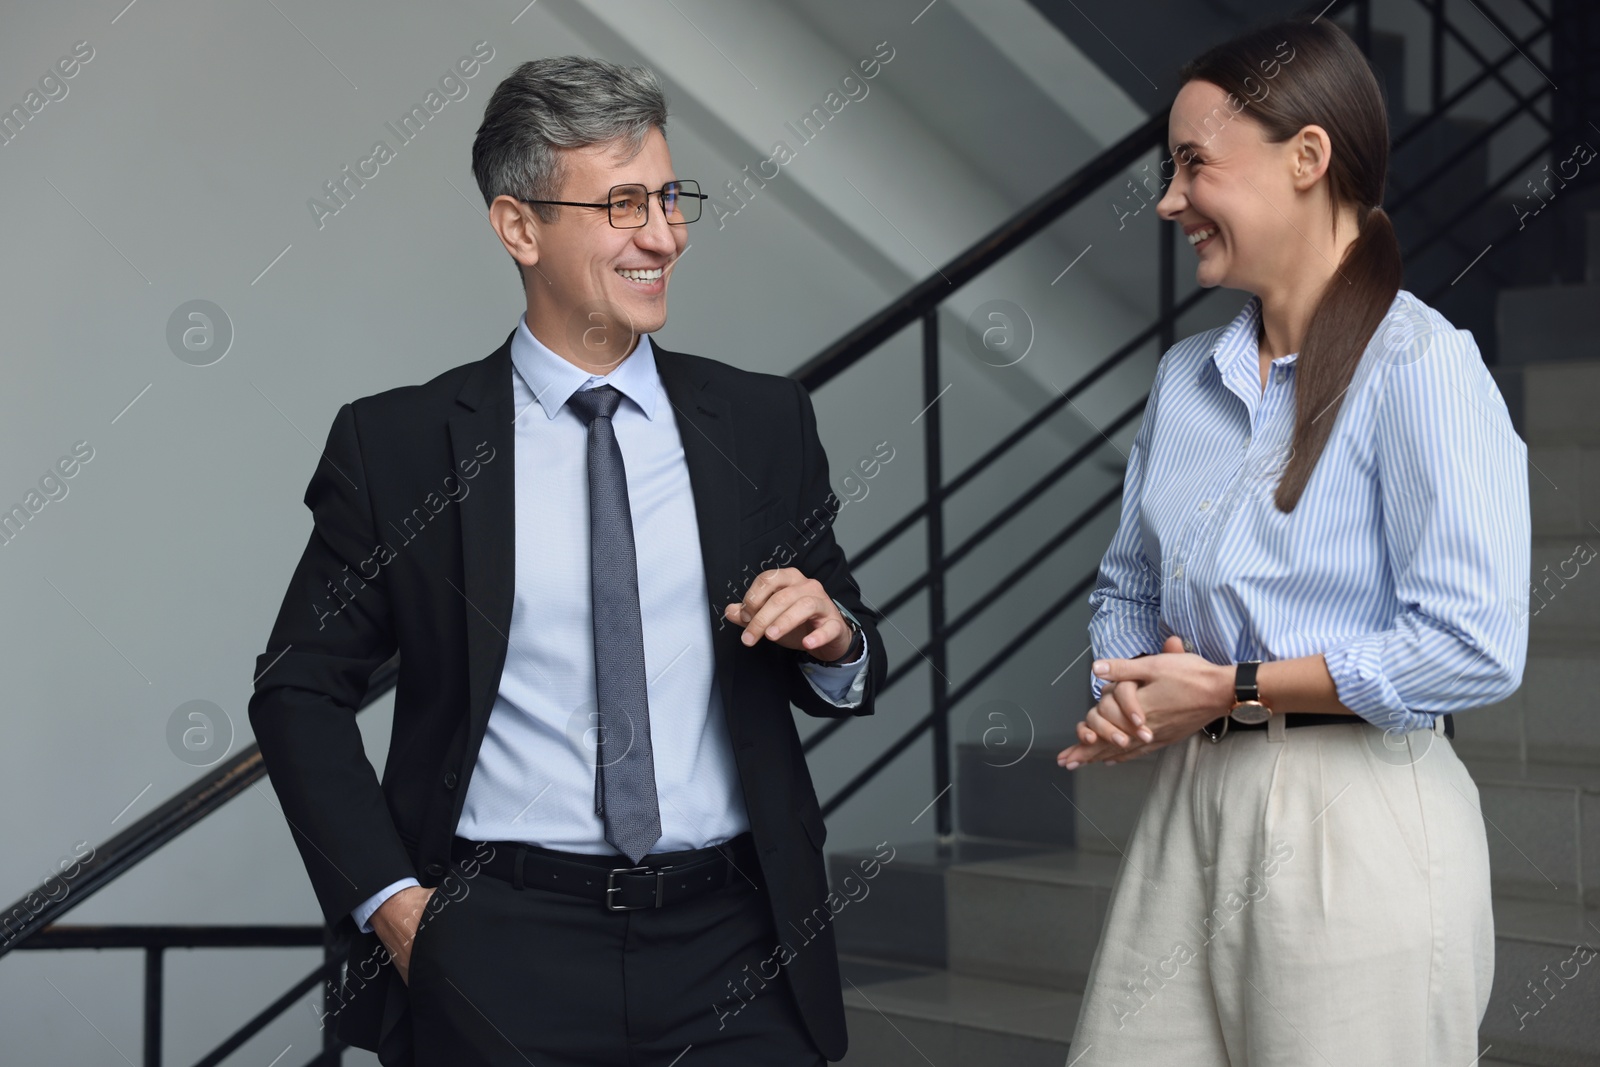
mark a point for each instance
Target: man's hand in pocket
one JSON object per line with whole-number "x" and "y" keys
{"x": 396, "y": 922}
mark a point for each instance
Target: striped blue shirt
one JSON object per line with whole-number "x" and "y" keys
{"x": 1406, "y": 561}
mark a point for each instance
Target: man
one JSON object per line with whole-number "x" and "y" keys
{"x": 608, "y": 570}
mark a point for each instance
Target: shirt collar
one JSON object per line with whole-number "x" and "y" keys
{"x": 553, "y": 380}
{"x": 1237, "y": 347}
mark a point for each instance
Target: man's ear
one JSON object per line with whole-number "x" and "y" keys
{"x": 1312, "y": 152}
{"x": 518, "y": 227}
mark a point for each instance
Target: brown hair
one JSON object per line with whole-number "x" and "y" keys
{"x": 1327, "y": 82}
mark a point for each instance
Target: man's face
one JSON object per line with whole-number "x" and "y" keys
{"x": 594, "y": 285}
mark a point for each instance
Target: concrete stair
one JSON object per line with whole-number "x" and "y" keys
{"x": 976, "y": 952}
{"x": 902, "y": 1014}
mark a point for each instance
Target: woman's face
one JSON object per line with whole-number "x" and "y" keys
{"x": 1234, "y": 193}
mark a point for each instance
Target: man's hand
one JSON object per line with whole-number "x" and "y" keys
{"x": 794, "y": 611}
{"x": 395, "y": 922}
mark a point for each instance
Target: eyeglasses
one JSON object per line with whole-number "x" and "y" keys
{"x": 628, "y": 206}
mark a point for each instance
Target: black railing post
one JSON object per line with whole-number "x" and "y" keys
{"x": 152, "y": 1006}
{"x": 933, "y": 472}
{"x": 1436, "y": 59}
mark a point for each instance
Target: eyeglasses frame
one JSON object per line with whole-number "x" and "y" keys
{"x": 648, "y": 196}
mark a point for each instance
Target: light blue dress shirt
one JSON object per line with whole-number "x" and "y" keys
{"x": 534, "y": 778}
{"x": 1406, "y": 561}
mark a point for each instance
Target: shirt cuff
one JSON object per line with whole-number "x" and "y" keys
{"x": 841, "y": 684}
{"x": 363, "y": 912}
{"x": 1356, "y": 666}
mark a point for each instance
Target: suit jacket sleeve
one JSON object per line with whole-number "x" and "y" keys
{"x": 333, "y": 630}
{"x": 820, "y": 557}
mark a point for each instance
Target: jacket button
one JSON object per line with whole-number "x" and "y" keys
{"x": 450, "y": 779}
{"x": 433, "y": 870}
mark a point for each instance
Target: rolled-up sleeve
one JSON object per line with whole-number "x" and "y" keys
{"x": 1126, "y": 600}
{"x": 1454, "y": 491}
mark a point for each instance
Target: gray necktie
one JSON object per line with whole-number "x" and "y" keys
{"x": 625, "y": 771}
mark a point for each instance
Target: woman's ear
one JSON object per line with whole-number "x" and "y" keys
{"x": 1311, "y": 150}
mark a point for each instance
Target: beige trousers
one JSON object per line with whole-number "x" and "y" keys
{"x": 1313, "y": 896}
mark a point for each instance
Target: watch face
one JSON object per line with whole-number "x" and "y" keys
{"x": 1251, "y": 713}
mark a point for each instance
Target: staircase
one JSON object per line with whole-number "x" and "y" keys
{"x": 975, "y": 951}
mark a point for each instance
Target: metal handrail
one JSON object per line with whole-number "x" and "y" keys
{"x": 1032, "y": 422}
{"x": 1443, "y": 104}
{"x": 147, "y": 834}
{"x": 40, "y": 931}
{"x": 1406, "y": 196}
{"x": 928, "y": 294}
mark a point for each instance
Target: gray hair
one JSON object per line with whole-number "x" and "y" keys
{"x": 559, "y": 102}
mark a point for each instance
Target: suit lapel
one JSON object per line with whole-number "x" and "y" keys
{"x": 488, "y": 528}
{"x": 705, "y": 425}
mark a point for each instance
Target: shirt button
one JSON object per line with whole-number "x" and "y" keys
{"x": 1204, "y": 504}
{"x": 1177, "y": 572}
{"x": 1188, "y": 646}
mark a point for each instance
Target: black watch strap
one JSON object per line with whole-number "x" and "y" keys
{"x": 1244, "y": 682}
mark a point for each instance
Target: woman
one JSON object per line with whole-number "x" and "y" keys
{"x": 1313, "y": 887}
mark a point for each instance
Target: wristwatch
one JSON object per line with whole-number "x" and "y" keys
{"x": 855, "y": 631}
{"x": 1247, "y": 706}
{"x": 1247, "y": 710}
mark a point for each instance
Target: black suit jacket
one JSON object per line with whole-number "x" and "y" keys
{"x": 412, "y": 551}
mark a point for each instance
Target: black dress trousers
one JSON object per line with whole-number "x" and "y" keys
{"x": 510, "y": 977}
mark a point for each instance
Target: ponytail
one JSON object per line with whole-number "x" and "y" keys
{"x": 1351, "y": 308}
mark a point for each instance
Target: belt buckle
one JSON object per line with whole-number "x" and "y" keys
{"x": 612, "y": 887}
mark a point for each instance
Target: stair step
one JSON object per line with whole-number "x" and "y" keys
{"x": 1564, "y": 490}
{"x": 1032, "y": 799}
{"x": 1010, "y": 799}
{"x": 1565, "y": 572}
{"x": 995, "y": 909}
{"x": 899, "y": 1014}
{"x": 1561, "y": 642}
{"x": 1560, "y": 399}
{"x": 1543, "y": 826}
{"x": 899, "y": 914}
{"x": 913, "y": 1017}
{"x": 1549, "y": 323}
{"x": 1547, "y": 966}
{"x": 1550, "y": 718}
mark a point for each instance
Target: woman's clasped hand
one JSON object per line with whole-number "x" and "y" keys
{"x": 1148, "y": 703}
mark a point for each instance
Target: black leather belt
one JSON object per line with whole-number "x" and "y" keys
{"x": 664, "y": 878}
{"x": 1224, "y": 724}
